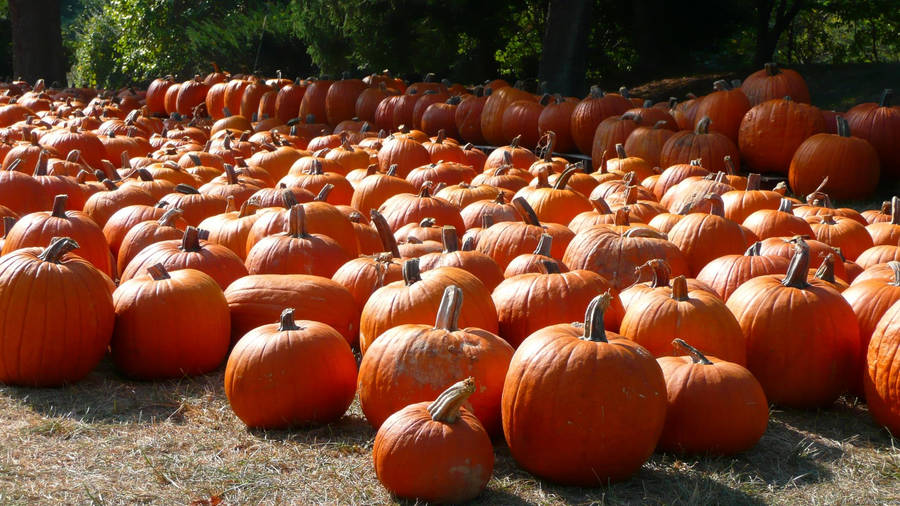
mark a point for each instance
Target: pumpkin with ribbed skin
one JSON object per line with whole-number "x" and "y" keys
{"x": 880, "y": 125}
{"x": 779, "y": 222}
{"x": 408, "y": 363}
{"x": 527, "y": 303}
{"x": 52, "y": 351}
{"x": 739, "y": 204}
{"x": 506, "y": 240}
{"x": 611, "y": 131}
{"x": 839, "y": 232}
{"x": 417, "y": 297}
{"x": 887, "y": 232}
{"x": 553, "y": 433}
{"x": 880, "y": 379}
{"x": 726, "y": 273}
{"x": 409, "y": 208}
{"x": 725, "y": 107}
{"x": 772, "y": 131}
{"x": 494, "y": 107}
{"x": 101, "y": 205}
{"x": 365, "y": 274}
{"x": 646, "y": 142}
{"x": 406, "y": 153}
{"x": 37, "y": 229}
{"x": 436, "y": 452}
{"x": 512, "y": 155}
{"x": 21, "y": 192}
{"x": 588, "y": 113}
{"x": 705, "y": 237}
{"x": 699, "y": 316}
{"x": 469, "y": 260}
{"x": 695, "y": 382}
{"x": 290, "y": 373}
{"x": 710, "y": 147}
{"x": 773, "y": 82}
{"x": 197, "y": 328}
{"x": 189, "y": 253}
{"x": 558, "y": 204}
{"x": 802, "y": 338}
{"x": 168, "y": 227}
{"x": 528, "y": 263}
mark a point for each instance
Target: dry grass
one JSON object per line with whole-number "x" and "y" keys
{"x": 106, "y": 440}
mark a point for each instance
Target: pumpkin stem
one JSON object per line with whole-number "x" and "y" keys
{"x": 287, "y": 323}
{"x": 786, "y": 206}
{"x": 601, "y": 206}
{"x": 828, "y": 219}
{"x": 886, "y": 96}
{"x": 449, "y": 308}
{"x": 59, "y": 206}
{"x": 58, "y": 247}
{"x": 297, "y": 222}
{"x": 717, "y": 205}
{"x": 40, "y": 168}
{"x": 551, "y": 267}
{"x": 660, "y": 271}
{"x": 696, "y": 356}
{"x": 593, "y": 319}
{"x": 753, "y": 181}
{"x": 186, "y": 189}
{"x": 427, "y": 222}
{"x": 754, "y": 250}
{"x": 680, "y": 288}
{"x": 895, "y": 268}
{"x": 229, "y": 204}
{"x": 248, "y": 208}
{"x": 288, "y": 199}
{"x": 514, "y": 143}
{"x": 622, "y": 218}
{"x": 798, "y": 269}
{"x": 527, "y": 211}
{"x": 388, "y": 241}
{"x": 563, "y": 178}
{"x": 191, "y": 240}
{"x": 411, "y": 272}
{"x": 169, "y": 217}
{"x": 702, "y": 126}
{"x": 231, "y": 174}
{"x": 620, "y": 151}
{"x": 445, "y": 408}
{"x": 772, "y": 69}
{"x": 487, "y": 220}
{"x": 450, "y": 238}
{"x": 324, "y": 192}
{"x": 544, "y": 245}
{"x": 158, "y": 272}
{"x": 825, "y": 272}
{"x": 843, "y": 127}
{"x": 8, "y": 223}
{"x": 468, "y": 243}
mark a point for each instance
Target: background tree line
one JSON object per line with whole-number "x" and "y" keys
{"x": 112, "y": 43}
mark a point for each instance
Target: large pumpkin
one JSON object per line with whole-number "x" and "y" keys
{"x": 802, "y": 338}
{"x": 290, "y": 373}
{"x": 880, "y": 125}
{"x": 54, "y": 350}
{"x": 772, "y": 131}
{"x": 773, "y": 82}
{"x": 581, "y": 407}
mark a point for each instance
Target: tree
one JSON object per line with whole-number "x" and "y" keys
{"x": 37, "y": 40}
{"x": 564, "y": 56}
{"x": 772, "y": 19}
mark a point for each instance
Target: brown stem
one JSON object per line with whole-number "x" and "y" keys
{"x": 191, "y": 240}
{"x": 696, "y": 356}
{"x": 753, "y": 181}
{"x": 487, "y": 220}
{"x": 895, "y": 210}
{"x": 186, "y": 189}
{"x": 551, "y": 267}
{"x": 392, "y": 170}
{"x": 660, "y": 271}
{"x": 563, "y": 178}
{"x": 717, "y": 205}
{"x": 445, "y": 408}
{"x": 322, "y": 196}
{"x": 231, "y": 174}
{"x": 449, "y": 308}
{"x": 40, "y": 168}
{"x": 514, "y": 143}
{"x": 825, "y": 272}
{"x": 593, "y": 319}
{"x": 388, "y": 241}
{"x": 411, "y": 272}
{"x": 786, "y": 206}
{"x": 680, "y": 288}
{"x": 297, "y": 222}
{"x": 526, "y": 211}
{"x": 58, "y": 247}
{"x": 544, "y": 245}
{"x": 450, "y": 238}
{"x": 59, "y": 206}
{"x": 248, "y": 208}
{"x": 622, "y": 218}
{"x": 620, "y": 151}
{"x": 158, "y": 272}
{"x": 754, "y": 250}
{"x": 772, "y": 69}
{"x": 702, "y": 126}
{"x": 798, "y": 269}
{"x": 601, "y": 206}
{"x": 8, "y": 223}
{"x": 287, "y": 323}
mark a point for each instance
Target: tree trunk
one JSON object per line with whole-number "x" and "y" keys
{"x": 564, "y": 57}
{"x": 37, "y": 40}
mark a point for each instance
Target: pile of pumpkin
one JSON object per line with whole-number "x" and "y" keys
{"x": 177, "y": 236}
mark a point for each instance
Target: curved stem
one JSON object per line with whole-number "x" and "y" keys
{"x": 186, "y": 189}
{"x": 593, "y": 319}
{"x": 798, "y": 269}
{"x": 563, "y": 178}
{"x": 231, "y": 174}
{"x": 286, "y": 322}
{"x": 445, "y": 408}
{"x": 825, "y": 272}
{"x": 388, "y": 241}
{"x": 786, "y": 206}
{"x": 886, "y": 97}
{"x": 601, "y": 206}
{"x": 696, "y": 356}
{"x": 449, "y": 308}
{"x": 660, "y": 271}
{"x": 544, "y": 245}
{"x": 702, "y": 126}
{"x": 324, "y": 192}
{"x": 168, "y": 218}
{"x": 754, "y": 250}
{"x": 895, "y": 268}
{"x": 526, "y": 210}
{"x": 58, "y": 247}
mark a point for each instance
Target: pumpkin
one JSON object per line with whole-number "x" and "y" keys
{"x": 725, "y": 107}
{"x": 232, "y": 227}
{"x": 365, "y": 274}
{"x": 677, "y": 173}
{"x": 417, "y": 297}
{"x": 772, "y": 131}
{"x": 710, "y": 147}
{"x": 880, "y": 379}
{"x": 196, "y": 331}
{"x": 878, "y": 255}
{"x": 839, "y": 232}
{"x": 494, "y": 107}
{"x": 314, "y": 99}
{"x": 340, "y": 100}
{"x": 527, "y": 263}
{"x": 512, "y": 155}
{"x": 878, "y": 215}
{"x": 646, "y": 142}
{"x": 52, "y": 351}
{"x": 779, "y": 222}
{"x": 465, "y": 258}
{"x": 296, "y": 251}
{"x": 22, "y": 193}
{"x": 290, "y": 373}
{"x": 59, "y": 185}
{"x": 169, "y": 226}
{"x": 556, "y": 117}
{"x": 196, "y": 206}
{"x": 870, "y": 300}
{"x": 505, "y": 240}
{"x": 435, "y": 452}
{"x": 774, "y": 82}
{"x": 887, "y": 232}
{"x": 448, "y": 173}
{"x": 189, "y": 253}
{"x": 615, "y": 255}
{"x": 802, "y": 338}
{"x": 558, "y": 204}
{"x": 611, "y": 131}
{"x": 714, "y": 406}
{"x": 498, "y": 208}
{"x": 698, "y": 316}
{"x": 705, "y": 237}
{"x": 879, "y": 124}
{"x": 726, "y": 273}
{"x": 529, "y": 302}
{"x": 739, "y": 204}
{"x": 408, "y": 363}
{"x": 406, "y": 153}
{"x": 411, "y": 208}
{"x": 564, "y": 380}
{"x": 588, "y": 114}
{"x": 654, "y": 275}
{"x": 37, "y": 229}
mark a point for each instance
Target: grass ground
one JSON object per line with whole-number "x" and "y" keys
{"x": 106, "y": 440}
